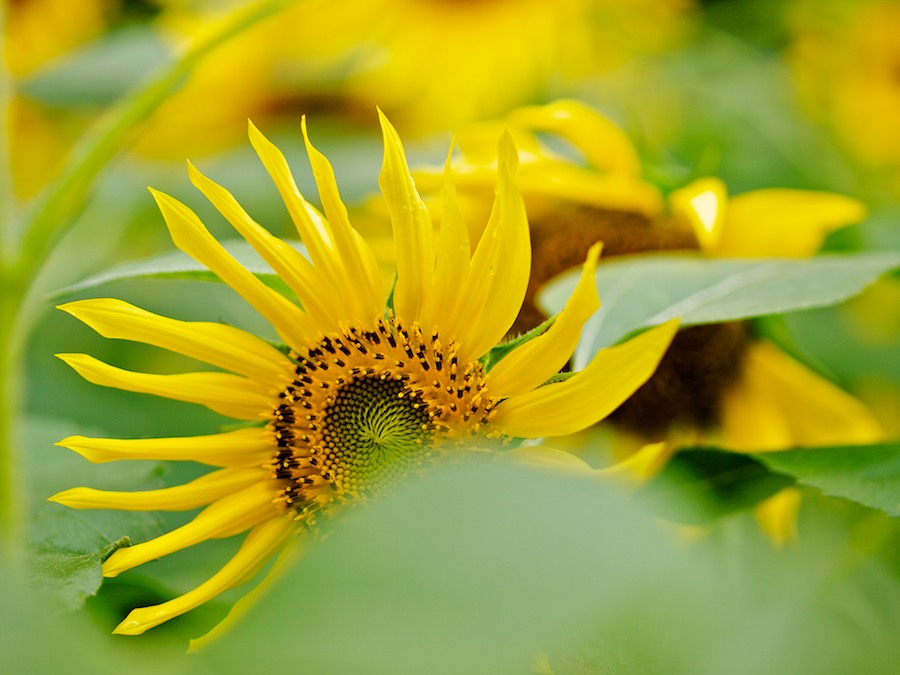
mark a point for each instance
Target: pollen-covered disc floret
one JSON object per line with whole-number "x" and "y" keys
{"x": 367, "y": 408}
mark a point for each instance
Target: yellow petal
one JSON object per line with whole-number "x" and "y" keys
{"x": 538, "y": 360}
{"x": 413, "y": 230}
{"x": 478, "y": 144}
{"x": 777, "y": 516}
{"x": 319, "y": 298}
{"x": 604, "y": 145}
{"x": 615, "y": 191}
{"x": 259, "y": 546}
{"x": 230, "y": 395}
{"x": 313, "y": 230}
{"x": 220, "y": 345}
{"x": 243, "y": 447}
{"x": 643, "y": 464}
{"x": 500, "y": 268}
{"x": 360, "y": 267}
{"x": 546, "y": 457}
{"x": 780, "y": 222}
{"x": 703, "y": 204}
{"x": 229, "y": 516}
{"x": 204, "y": 490}
{"x": 248, "y": 600}
{"x": 588, "y": 396}
{"x": 189, "y": 234}
{"x": 779, "y": 403}
{"x": 452, "y": 264}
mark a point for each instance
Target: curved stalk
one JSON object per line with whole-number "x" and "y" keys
{"x": 25, "y": 246}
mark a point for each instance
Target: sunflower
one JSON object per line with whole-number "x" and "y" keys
{"x": 430, "y": 63}
{"x": 844, "y": 56}
{"x": 369, "y": 388}
{"x": 36, "y": 34}
{"x": 439, "y": 63}
{"x": 717, "y": 383}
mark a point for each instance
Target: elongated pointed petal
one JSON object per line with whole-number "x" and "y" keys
{"x": 243, "y": 447}
{"x": 413, "y": 230}
{"x": 202, "y": 491}
{"x": 604, "y": 145}
{"x": 319, "y": 298}
{"x": 313, "y": 230}
{"x": 360, "y": 266}
{"x": 643, "y": 464}
{"x": 189, "y": 234}
{"x": 784, "y": 222}
{"x": 538, "y": 360}
{"x": 245, "y": 602}
{"x": 703, "y": 204}
{"x": 220, "y": 345}
{"x": 259, "y": 546}
{"x": 451, "y": 268}
{"x": 588, "y": 396}
{"x": 230, "y": 395}
{"x": 501, "y": 265}
{"x": 229, "y": 516}
{"x": 779, "y": 404}
{"x": 608, "y": 191}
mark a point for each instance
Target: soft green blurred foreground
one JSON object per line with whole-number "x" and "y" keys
{"x": 481, "y": 566}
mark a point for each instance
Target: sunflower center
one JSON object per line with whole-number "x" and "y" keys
{"x": 367, "y": 408}
{"x": 374, "y": 433}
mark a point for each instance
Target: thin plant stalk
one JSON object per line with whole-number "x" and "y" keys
{"x": 28, "y": 242}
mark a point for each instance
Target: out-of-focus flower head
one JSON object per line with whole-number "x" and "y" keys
{"x": 439, "y": 63}
{"x": 38, "y": 31}
{"x": 845, "y": 56}
{"x": 35, "y": 34}
{"x": 430, "y": 64}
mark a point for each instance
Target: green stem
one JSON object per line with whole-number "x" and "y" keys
{"x": 67, "y": 195}
{"x": 9, "y": 384}
{"x": 25, "y": 249}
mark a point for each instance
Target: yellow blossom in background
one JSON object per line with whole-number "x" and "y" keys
{"x": 844, "y": 55}
{"x": 362, "y": 395}
{"x": 38, "y": 31}
{"x": 716, "y": 383}
{"x": 430, "y": 64}
{"x": 278, "y": 68}
{"x": 35, "y": 34}
{"x": 437, "y": 63}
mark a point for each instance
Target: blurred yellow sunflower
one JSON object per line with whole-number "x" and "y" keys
{"x": 35, "y": 33}
{"x": 438, "y": 63}
{"x": 845, "y": 56}
{"x": 716, "y": 382}
{"x": 431, "y": 64}
{"x": 363, "y": 394}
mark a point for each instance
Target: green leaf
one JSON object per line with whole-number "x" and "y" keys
{"x": 72, "y": 579}
{"x": 644, "y": 291}
{"x": 481, "y": 568}
{"x": 715, "y": 483}
{"x": 867, "y": 474}
{"x": 65, "y": 546}
{"x": 178, "y": 265}
{"x": 463, "y": 571}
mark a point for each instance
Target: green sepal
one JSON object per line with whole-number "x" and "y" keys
{"x": 497, "y": 353}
